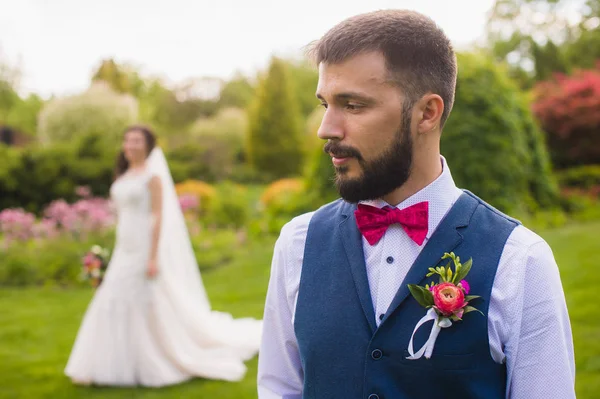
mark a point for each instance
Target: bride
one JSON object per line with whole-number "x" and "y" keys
{"x": 150, "y": 322}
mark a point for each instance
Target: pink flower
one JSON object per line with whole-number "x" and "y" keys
{"x": 465, "y": 286}
{"x": 448, "y": 298}
{"x": 88, "y": 259}
{"x": 16, "y": 225}
{"x": 188, "y": 202}
{"x": 83, "y": 191}
{"x": 96, "y": 263}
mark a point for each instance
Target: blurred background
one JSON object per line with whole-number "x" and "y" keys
{"x": 227, "y": 89}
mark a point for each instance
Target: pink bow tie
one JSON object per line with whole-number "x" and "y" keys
{"x": 373, "y": 222}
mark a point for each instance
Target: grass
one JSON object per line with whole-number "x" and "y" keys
{"x": 38, "y": 325}
{"x": 577, "y": 250}
{"x": 38, "y": 328}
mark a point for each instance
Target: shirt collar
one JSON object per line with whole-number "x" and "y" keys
{"x": 441, "y": 194}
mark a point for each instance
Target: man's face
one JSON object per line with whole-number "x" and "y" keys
{"x": 368, "y": 131}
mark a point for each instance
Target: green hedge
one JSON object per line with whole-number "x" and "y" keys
{"x": 32, "y": 177}
{"x": 581, "y": 177}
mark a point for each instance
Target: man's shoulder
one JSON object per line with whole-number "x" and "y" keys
{"x": 491, "y": 209}
{"x": 524, "y": 239}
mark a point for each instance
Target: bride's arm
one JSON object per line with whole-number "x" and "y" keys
{"x": 156, "y": 203}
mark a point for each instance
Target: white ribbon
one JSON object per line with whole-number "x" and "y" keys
{"x": 427, "y": 348}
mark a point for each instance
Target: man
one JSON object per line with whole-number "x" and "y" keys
{"x": 339, "y": 315}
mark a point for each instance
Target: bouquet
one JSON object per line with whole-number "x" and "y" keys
{"x": 95, "y": 263}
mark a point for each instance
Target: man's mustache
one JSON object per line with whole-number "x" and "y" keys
{"x": 340, "y": 151}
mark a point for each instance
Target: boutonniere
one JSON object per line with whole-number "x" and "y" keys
{"x": 447, "y": 301}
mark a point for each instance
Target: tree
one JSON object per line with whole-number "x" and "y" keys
{"x": 238, "y": 93}
{"x": 275, "y": 139}
{"x": 568, "y": 108}
{"x": 23, "y": 115}
{"x": 585, "y": 51}
{"x": 491, "y": 142}
{"x": 539, "y": 37}
{"x": 169, "y": 110}
{"x": 319, "y": 174}
{"x": 114, "y": 75}
{"x": 305, "y": 78}
{"x": 9, "y": 97}
{"x": 549, "y": 59}
{"x": 17, "y": 115}
{"x": 213, "y": 147}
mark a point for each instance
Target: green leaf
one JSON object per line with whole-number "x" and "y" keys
{"x": 441, "y": 271}
{"x": 469, "y": 298}
{"x": 456, "y": 271}
{"x": 469, "y": 309}
{"x": 422, "y": 295}
{"x": 464, "y": 270}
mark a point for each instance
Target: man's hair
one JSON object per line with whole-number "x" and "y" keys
{"x": 419, "y": 56}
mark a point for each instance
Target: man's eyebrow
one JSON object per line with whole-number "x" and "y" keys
{"x": 350, "y": 95}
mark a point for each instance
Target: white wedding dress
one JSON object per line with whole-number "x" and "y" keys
{"x": 138, "y": 331}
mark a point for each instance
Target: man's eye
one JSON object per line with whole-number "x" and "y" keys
{"x": 324, "y": 105}
{"x": 353, "y": 107}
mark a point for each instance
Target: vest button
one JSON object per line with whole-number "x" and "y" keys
{"x": 373, "y": 396}
{"x": 376, "y": 354}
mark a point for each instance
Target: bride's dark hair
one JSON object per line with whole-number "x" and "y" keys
{"x": 149, "y": 136}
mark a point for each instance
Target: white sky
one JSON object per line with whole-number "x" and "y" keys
{"x": 58, "y": 43}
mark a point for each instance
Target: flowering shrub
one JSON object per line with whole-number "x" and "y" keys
{"x": 99, "y": 111}
{"x": 16, "y": 224}
{"x": 82, "y": 217}
{"x": 188, "y": 202}
{"x": 203, "y": 193}
{"x": 284, "y": 199}
{"x": 87, "y": 215}
{"x": 48, "y": 250}
{"x": 280, "y": 191}
{"x": 568, "y": 108}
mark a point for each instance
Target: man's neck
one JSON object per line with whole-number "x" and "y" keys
{"x": 421, "y": 176}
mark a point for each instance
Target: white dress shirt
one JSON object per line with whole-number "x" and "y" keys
{"x": 528, "y": 322}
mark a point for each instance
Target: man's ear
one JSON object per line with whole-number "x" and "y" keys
{"x": 430, "y": 109}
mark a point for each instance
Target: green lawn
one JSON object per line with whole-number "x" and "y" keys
{"x": 38, "y": 326}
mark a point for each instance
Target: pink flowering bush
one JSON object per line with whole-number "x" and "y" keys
{"x": 82, "y": 217}
{"x": 189, "y": 203}
{"x": 16, "y": 224}
{"x": 49, "y": 249}
{"x": 60, "y": 218}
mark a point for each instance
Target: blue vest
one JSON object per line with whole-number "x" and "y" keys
{"x": 346, "y": 356}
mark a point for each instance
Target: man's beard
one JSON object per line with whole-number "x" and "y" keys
{"x": 380, "y": 176}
